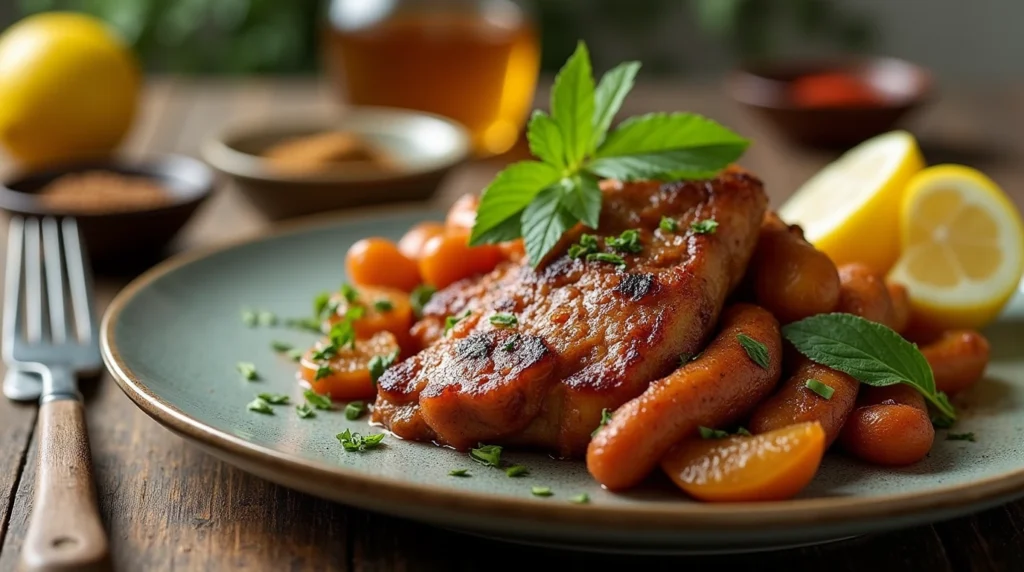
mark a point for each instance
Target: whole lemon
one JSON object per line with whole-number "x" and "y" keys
{"x": 69, "y": 88}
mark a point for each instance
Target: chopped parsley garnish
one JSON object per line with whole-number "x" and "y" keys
{"x": 295, "y": 355}
{"x": 248, "y": 370}
{"x": 342, "y": 334}
{"x": 607, "y": 257}
{"x": 419, "y": 298}
{"x": 516, "y": 471}
{"x": 320, "y": 304}
{"x": 706, "y": 226}
{"x": 960, "y": 437}
{"x": 355, "y": 313}
{"x": 505, "y": 319}
{"x": 260, "y": 406}
{"x": 709, "y": 433}
{"x": 458, "y": 473}
{"x": 380, "y": 364}
{"x": 743, "y": 431}
{"x": 582, "y": 498}
{"x": 586, "y": 245}
{"x": 355, "y": 410}
{"x": 668, "y": 224}
{"x": 383, "y": 305}
{"x": 756, "y": 351}
{"x": 820, "y": 388}
{"x": 305, "y": 324}
{"x": 267, "y": 318}
{"x": 541, "y": 491}
{"x": 274, "y": 398}
{"x": 486, "y": 455}
{"x": 304, "y": 411}
{"x": 323, "y": 371}
{"x": 349, "y": 293}
{"x": 450, "y": 321}
{"x": 606, "y": 416}
{"x": 627, "y": 242}
{"x": 355, "y": 442}
{"x": 316, "y": 400}
{"x": 249, "y": 318}
{"x": 325, "y": 353}
{"x": 281, "y": 347}
{"x": 511, "y": 343}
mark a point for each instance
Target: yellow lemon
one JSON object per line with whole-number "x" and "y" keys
{"x": 850, "y": 209}
{"x": 68, "y": 88}
{"x": 963, "y": 247}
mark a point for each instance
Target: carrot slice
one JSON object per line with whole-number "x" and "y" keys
{"x": 770, "y": 466}
{"x": 346, "y": 376}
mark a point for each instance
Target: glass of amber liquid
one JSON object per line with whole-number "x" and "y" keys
{"x": 474, "y": 61}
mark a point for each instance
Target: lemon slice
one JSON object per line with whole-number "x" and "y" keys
{"x": 963, "y": 247}
{"x": 850, "y": 209}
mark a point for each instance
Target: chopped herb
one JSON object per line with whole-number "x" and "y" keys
{"x": 960, "y": 437}
{"x": 383, "y": 305}
{"x": 260, "y": 406}
{"x": 355, "y": 410}
{"x": 419, "y": 298}
{"x": 450, "y": 321}
{"x": 349, "y": 293}
{"x": 942, "y": 421}
{"x": 627, "y": 242}
{"x": 281, "y": 347}
{"x": 756, "y": 351}
{"x": 317, "y": 400}
{"x": 582, "y": 498}
{"x": 380, "y": 364}
{"x": 305, "y": 324}
{"x": 606, "y": 416}
{"x": 458, "y": 473}
{"x": 486, "y": 455}
{"x": 325, "y": 353}
{"x": 274, "y": 398}
{"x": 354, "y": 442}
{"x": 304, "y": 411}
{"x": 267, "y": 318}
{"x": 511, "y": 343}
{"x": 820, "y": 388}
{"x": 249, "y": 318}
{"x": 709, "y": 433}
{"x": 322, "y": 372}
{"x": 295, "y": 355}
{"x": 587, "y": 245}
{"x": 355, "y": 312}
{"x": 505, "y": 319}
{"x": 606, "y": 257}
{"x": 668, "y": 224}
{"x": 343, "y": 334}
{"x": 516, "y": 471}
{"x": 248, "y": 370}
{"x": 320, "y": 304}
{"x": 743, "y": 431}
{"x": 541, "y": 491}
{"x": 706, "y": 226}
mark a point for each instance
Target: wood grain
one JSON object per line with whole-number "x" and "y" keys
{"x": 168, "y": 506}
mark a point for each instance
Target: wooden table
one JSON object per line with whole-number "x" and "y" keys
{"x": 167, "y": 506}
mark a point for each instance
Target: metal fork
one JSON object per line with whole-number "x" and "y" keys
{"x": 65, "y": 531}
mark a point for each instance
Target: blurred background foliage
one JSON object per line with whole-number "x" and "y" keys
{"x": 282, "y": 36}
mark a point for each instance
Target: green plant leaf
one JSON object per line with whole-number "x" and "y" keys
{"x": 667, "y": 146}
{"x": 545, "y": 139}
{"x": 608, "y": 97}
{"x": 582, "y": 198}
{"x": 544, "y": 221}
{"x": 503, "y": 201}
{"x": 572, "y": 104}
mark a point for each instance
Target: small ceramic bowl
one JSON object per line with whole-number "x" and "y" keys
{"x": 765, "y": 88}
{"x": 422, "y": 146}
{"x": 116, "y": 238}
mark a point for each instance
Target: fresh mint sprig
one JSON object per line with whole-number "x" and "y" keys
{"x": 540, "y": 200}
{"x": 869, "y": 352}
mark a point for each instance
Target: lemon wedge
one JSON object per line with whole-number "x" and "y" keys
{"x": 963, "y": 247}
{"x": 850, "y": 209}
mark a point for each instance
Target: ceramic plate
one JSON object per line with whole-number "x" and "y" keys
{"x": 173, "y": 337}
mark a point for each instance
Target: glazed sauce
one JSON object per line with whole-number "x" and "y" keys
{"x": 479, "y": 71}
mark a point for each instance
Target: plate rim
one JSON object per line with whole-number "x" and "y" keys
{"x": 676, "y": 516}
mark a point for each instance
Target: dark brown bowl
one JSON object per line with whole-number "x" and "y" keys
{"x": 119, "y": 238}
{"x": 764, "y": 87}
{"x": 425, "y": 147}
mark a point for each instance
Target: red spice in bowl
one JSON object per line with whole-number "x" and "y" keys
{"x": 834, "y": 89}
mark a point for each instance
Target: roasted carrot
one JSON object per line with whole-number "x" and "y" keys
{"x": 889, "y": 426}
{"x": 958, "y": 359}
{"x": 864, "y": 293}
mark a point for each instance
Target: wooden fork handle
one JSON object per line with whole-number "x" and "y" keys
{"x": 65, "y": 532}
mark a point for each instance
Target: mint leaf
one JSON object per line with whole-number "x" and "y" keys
{"x": 503, "y": 201}
{"x": 582, "y": 198}
{"x": 668, "y": 146}
{"x": 870, "y": 352}
{"x": 544, "y": 222}
{"x": 608, "y": 97}
{"x": 545, "y": 139}
{"x": 572, "y": 105}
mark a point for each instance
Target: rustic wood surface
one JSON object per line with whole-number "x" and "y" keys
{"x": 167, "y": 506}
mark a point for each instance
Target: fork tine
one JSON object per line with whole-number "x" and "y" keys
{"x": 79, "y": 282}
{"x": 33, "y": 282}
{"x": 54, "y": 279}
{"x": 13, "y": 316}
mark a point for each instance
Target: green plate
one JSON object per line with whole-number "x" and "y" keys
{"x": 173, "y": 337}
